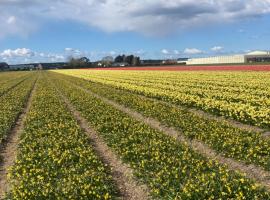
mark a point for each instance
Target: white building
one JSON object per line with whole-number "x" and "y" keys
{"x": 255, "y": 56}
{"x": 258, "y": 56}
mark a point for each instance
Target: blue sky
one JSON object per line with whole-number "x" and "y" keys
{"x": 50, "y": 31}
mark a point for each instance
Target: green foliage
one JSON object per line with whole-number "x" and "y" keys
{"x": 242, "y": 145}
{"x": 243, "y": 96}
{"x": 15, "y": 93}
{"x": 170, "y": 169}
{"x": 55, "y": 159}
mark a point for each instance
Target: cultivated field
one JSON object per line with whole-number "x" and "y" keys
{"x": 197, "y": 68}
{"x": 116, "y": 134}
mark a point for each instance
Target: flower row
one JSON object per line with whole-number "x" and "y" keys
{"x": 56, "y": 159}
{"x": 12, "y": 103}
{"x": 171, "y": 170}
{"x": 243, "y": 96}
{"x": 247, "y": 146}
{"x": 11, "y": 80}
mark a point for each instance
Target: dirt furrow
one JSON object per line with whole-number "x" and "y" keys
{"x": 122, "y": 174}
{"x": 266, "y": 134}
{"x": 251, "y": 171}
{"x": 8, "y": 148}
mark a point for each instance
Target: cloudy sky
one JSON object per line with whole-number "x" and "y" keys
{"x": 54, "y": 30}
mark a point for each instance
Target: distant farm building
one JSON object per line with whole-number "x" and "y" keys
{"x": 169, "y": 62}
{"x": 182, "y": 60}
{"x": 252, "y": 57}
{"x": 258, "y": 56}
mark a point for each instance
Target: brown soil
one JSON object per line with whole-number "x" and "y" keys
{"x": 122, "y": 174}
{"x": 8, "y": 148}
{"x": 251, "y": 171}
{"x": 266, "y": 135}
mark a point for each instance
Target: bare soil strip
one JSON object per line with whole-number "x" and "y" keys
{"x": 266, "y": 134}
{"x": 8, "y": 149}
{"x": 251, "y": 171}
{"x": 122, "y": 174}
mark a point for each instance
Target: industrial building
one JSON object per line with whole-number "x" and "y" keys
{"x": 255, "y": 56}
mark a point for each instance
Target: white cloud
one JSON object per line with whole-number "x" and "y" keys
{"x": 217, "y": 48}
{"x": 57, "y": 58}
{"x": 75, "y": 53}
{"x": 25, "y": 55}
{"x": 69, "y": 49}
{"x": 23, "y": 52}
{"x": 169, "y": 53}
{"x": 192, "y": 51}
{"x": 11, "y": 20}
{"x": 112, "y": 53}
{"x": 151, "y": 17}
{"x": 176, "y": 52}
{"x": 42, "y": 54}
{"x": 165, "y": 51}
{"x": 51, "y": 57}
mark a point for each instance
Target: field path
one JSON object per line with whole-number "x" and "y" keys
{"x": 8, "y": 148}
{"x": 256, "y": 173}
{"x": 122, "y": 174}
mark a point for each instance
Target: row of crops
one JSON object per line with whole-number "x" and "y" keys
{"x": 243, "y": 96}
{"x": 169, "y": 168}
{"x": 232, "y": 142}
{"x": 11, "y": 80}
{"x": 56, "y": 159}
{"x": 15, "y": 90}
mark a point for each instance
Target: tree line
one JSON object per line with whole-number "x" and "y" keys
{"x": 84, "y": 62}
{"x": 108, "y": 61}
